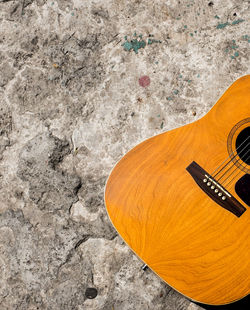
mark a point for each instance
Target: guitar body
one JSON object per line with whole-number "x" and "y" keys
{"x": 189, "y": 240}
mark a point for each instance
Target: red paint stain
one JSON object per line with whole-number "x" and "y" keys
{"x": 144, "y": 81}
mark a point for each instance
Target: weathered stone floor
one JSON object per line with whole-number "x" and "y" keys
{"x": 70, "y": 106}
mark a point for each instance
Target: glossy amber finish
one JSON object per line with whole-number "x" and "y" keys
{"x": 196, "y": 246}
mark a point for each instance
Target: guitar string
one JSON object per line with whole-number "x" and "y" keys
{"x": 233, "y": 165}
{"x": 231, "y": 160}
{"x": 237, "y": 173}
{"x": 237, "y": 166}
{"x": 229, "y": 156}
{"x": 227, "y": 159}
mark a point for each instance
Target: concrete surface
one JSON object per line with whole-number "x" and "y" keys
{"x": 73, "y": 100}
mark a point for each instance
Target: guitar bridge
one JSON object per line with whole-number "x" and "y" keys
{"x": 215, "y": 190}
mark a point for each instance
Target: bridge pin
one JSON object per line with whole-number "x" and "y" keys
{"x": 223, "y": 197}
{"x": 216, "y": 190}
{"x": 220, "y": 194}
{"x": 208, "y": 183}
{"x": 205, "y": 180}
{"x": 213, "y": 187}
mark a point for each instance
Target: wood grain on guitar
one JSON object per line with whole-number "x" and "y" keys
{"x": 190, "y": 240}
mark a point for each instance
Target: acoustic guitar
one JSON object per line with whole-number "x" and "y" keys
{"x": 181, "y": 201}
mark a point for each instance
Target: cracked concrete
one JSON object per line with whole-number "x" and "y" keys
{"x": 71, "y": 105}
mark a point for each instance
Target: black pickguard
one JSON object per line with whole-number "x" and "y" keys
{"x": 242, "y": 188}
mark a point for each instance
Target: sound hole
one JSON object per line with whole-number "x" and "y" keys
{"x": 243, "y": 145}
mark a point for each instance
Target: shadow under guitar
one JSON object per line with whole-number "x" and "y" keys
{"x": 243, "y": 304}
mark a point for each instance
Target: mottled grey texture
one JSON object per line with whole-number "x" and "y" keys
{"x": 49, "y": 188}
{"x": 70, "y": 107}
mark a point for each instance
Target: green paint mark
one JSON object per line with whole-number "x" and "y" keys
{"x": 191, "y": 34}
{"x": 169, "y": 98}
{"x": 195, "y": 31}
{"x": 72, "y": 13}
{"x": 180, "y": 76}
{"x": 161, "y": 125}
{"x": 178, "y": 18}
{"x": 216, "y": 16}
{"x": 158, "y": 115}
{"x": 236, "y": 22}
{"x": 134, "y": 45}
{"x": 234, "y": 46}
{"x": 176, "y": 91}
{"x": 134, "y": 34}
{"x": 156, "y": 62}
{"x": 236, "y": 54}
{"x": 151, "y": 41}
{"x": 232, "y": 57}
{"x": 226, "y": 50}
{"x": 52, "y": 3}
{"x": 221, "y": 26}
{"x": 198, "y": 75}
{"x": 185, "y": 26}
{"x": 246, "y": 37}
{"x": 189, "y": 81}
{"x": 198, "y": 14}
